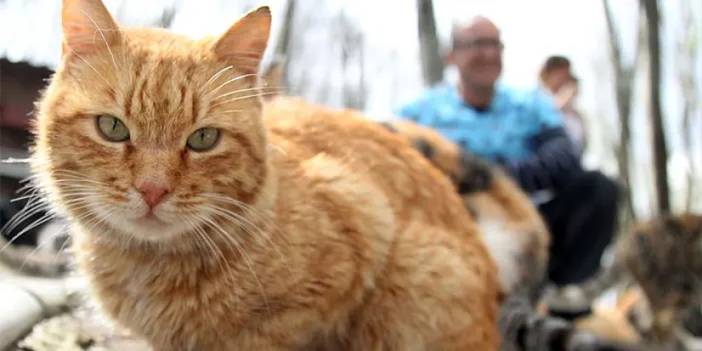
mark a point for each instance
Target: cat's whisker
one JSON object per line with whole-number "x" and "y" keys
{"x": 278, "y": 148}
{"x": 78, "y": 203}
{"x": 15, "y": 160}
{"x": 100, "y": 31}
{"x": 30, "y": 209}
{"x": 90, "y": 216}
{"x": 237, "y": 78}
{"x": 211, "y": 246}
{"x": 29, "y": 187}
{"x": 79, "y": 190}
{"x": 25, "y": 197}
{"x": 54, "y": 263}
{"x": 221, "y": 259}
{"x": 86, "y": 190}
{"x": 248, "y": 227}
{"x": 239, "y": 98}
{"x": 72, "y": 199}
{"x": 46, "y": 217}
{"x": 244, "y": 90}
{"x": 250, "y": 210}
{"x": 79, "y": 181}
{"x": 240, "y": 220}
{"x": 71, "y": 173}
{"x": 194, "y": 226}
{"x": 93, "y": 68}
{"x": 89, "y": 187}
{"x": 238, "y": 91}
{"x": 33, "y": 197}
{"x": 28, "y": 193}
{"x": 239, "y": 205}
{"x": 247, "y": 260}
{"x": 224, "y": 113}
{"x": 29, "y": 184}
{"x": 253, "y": 212}
{"x": 215, "y": 76}
{"x": 64, "y": 230}
{"x": 202, "y": 244}
{"x": 253, "y": 231}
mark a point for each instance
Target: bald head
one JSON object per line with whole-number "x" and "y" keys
{"x": 477, "y": 52}
{"x": 475, "y": 26}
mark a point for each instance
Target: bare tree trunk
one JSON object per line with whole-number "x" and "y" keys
{"x": 687, "y": 58}
{"x": 624, "y": 81}
{"x": 362, "y": 89}
{"x": 167, "y": 17}
{"x": 432, "y": 64}
{"x": 282, "y": 49}
{"x": 687, "y": 142}
{"x": 660, "y": 153}
{"x": 352, "y": 65}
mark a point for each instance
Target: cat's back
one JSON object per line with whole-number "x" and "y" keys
{"x": 426, "y": 258}
{"x": 415, "y": 190}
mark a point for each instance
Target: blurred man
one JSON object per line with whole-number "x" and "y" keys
{"x": 523, "y": 131}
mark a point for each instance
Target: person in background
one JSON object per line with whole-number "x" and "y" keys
{"x": 558, "y": 80}
{"x": 523, "y": 131}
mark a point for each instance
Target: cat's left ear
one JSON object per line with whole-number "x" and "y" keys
{"x": 87, "y": 27}
{"x": 245, "y": 41}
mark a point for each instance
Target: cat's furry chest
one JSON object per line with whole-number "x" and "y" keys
{"x": 199, "y": 300}
{"x": 168, "y": 301}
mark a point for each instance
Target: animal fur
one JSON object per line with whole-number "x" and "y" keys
{"x": 664, "y": 256}
{"x": 511, "y": 226}
{"x": 303, "y": 228}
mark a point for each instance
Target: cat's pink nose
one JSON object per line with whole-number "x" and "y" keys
{"x": 152, "y": 193}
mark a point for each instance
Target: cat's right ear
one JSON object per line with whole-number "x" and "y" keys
{"x": 87, "y": 27}
{"x": 244, "y": 43}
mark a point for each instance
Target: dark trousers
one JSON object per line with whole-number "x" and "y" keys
{"x": 581, "y": 219}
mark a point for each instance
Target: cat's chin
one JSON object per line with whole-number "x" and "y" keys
{"x": 151, "y": 228}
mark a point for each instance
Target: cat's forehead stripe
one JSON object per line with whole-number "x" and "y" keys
{"x": 161, "y": 86}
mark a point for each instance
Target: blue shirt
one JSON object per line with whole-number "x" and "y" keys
{"x": 503, "y": 132}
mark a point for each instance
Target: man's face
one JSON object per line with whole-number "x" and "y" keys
{"x": 477, "y": 53}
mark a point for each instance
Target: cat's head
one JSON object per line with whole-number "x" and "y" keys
{"x": 148, "y": 132}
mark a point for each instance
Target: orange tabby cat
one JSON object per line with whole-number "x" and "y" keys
{"x": 513, "y": 230}
{"x": 206, "y": 221}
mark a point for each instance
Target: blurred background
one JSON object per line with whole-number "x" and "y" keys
{"x": 368, "y": 55}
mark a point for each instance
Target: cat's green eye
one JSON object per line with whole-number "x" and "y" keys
{"x": 203, "y": 139}
{"x": 112, "y": 129}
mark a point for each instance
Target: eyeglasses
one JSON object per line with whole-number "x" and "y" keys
{"x": 478, "y": 44}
